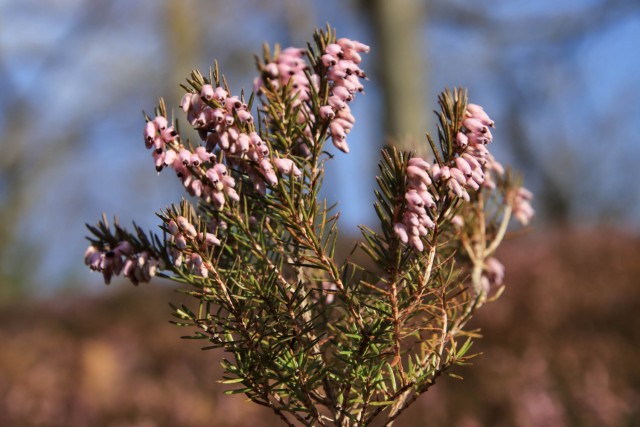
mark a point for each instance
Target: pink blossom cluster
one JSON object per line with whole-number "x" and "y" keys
{"x": 219, "y": 118}
{"x": 522, "y": 209}
{"x": 291, "y": 68}
{"x": 137, "y": 267}
{"x": 199, "y": 175}
{"x": 416, "y": 222}
{"x": 468, "y": 169}
{"x": 184, "y": 233}
{"x": 342, "y": 59}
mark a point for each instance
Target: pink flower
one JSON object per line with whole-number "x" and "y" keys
{"x": 522, "y": 209}
{"x": 477, "y": 112}
{"x": 207, "y": 92}
{"x": 286, "y": 166}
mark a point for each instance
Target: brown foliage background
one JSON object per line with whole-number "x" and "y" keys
{"x": 560, "y": 349}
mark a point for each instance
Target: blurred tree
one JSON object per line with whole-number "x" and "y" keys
{"x": 401, "y": 67}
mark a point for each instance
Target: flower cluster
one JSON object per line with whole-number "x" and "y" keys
{"x": 340, "y": 61}
{"x": 220, "y": 119}
{"x": 183, "y": 233}
{"x": 195, "y": 168}
{"x": 416, "y": 221}
{"x": 137, "y": 267}
{"x": 468, "y": 170}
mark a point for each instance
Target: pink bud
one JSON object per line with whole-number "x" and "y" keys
{"x": 223, "y": 140}
{"x": 286, "y": 166}
{"x": 457, "y": 222}
{"x": 207, "y": 92}
{"x": 196, "y": 187}
{"x": 172, "y": 227}
{"x": 185, "y": 156}
{"x": 220, "y": 94}
{"x": 232, "y": 194}
{"x": 478, "y": 176}
{"x": 213, "y": 176}
{"x": 161, "y": 122}
{"x": 243, "y": 142}
{"x": 444, "y": 172}
{"x": 272, "y": 70}
{"x": 415, "y": 173}
{"x": 334, "y": 49}
{"x": 329, "y": 60}
{"x": 149, "y": 133}
{"x": 342, "y": 93}
{"x": 525, "y": 194}
{"x": 471, "y": 160}
{"x": 195, "y": 260}
{"x": 344, "y": 124}
{"x": 244, "y": 116}
{"x": 462, "y": 140}
{"x": 203, "y": 154}
{"x": 346, "y": 44}
{"x": 169, "y": 134}
{"x": 158, "y": 144}
{"x": 190, "y": 229}
{"x": 475, "y": 126}
{"x": 458, "y": 175}
{"x": 435, "y": 172}
{"x": 340, "y": 144}
{"x": 471, "y": 183}
{"x": 352, "y": 55}
{"x": 255, "y": 139}
{"x": 413, "y": 199}
{"x": 182, "y": 221}
{"x": 218, "y": 199}
{"x": 169, "y": 157}
{"x": 419, "y": 163}
{"x": 326, "y": 112}
{"x": 427, "y": 198}
{"x": 336, "y": 103}
{"x": 336, "y": 130}
{"x": 463, "y": 165}
{"x": 455, "y": 187}
{"x": 129, "y": 267}
{"x": 218, "y": 115}
{"x": 211, "y": 239}
{"x": 220, "y": 169}
{"x": 360, "y": 47}
{"x": 185, "y": 103}
{"x": 181, "y": 242}
{"x": 478, "y": 139}
{"x": 401, "y": 231}
{"x": 427, "y": 222}
{"x": 416, "y": 243}
{"x": 345, "y": 114}
{"x": 123, "y": 248}
{"x": 477, "y": 112}
{"x": 232, "y": 103}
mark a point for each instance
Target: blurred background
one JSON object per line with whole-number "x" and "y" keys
{"x": 559, "y": 78}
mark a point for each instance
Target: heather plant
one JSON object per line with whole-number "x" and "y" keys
{"x": 317, "y": 340}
